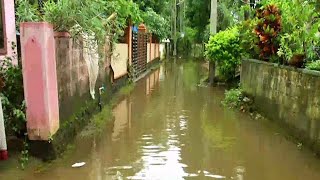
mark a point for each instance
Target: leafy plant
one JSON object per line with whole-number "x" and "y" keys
{"x": 156, "y": 23}
{"x": 26, "y": 12}
{"x": 224, "y": 48}
{"x": 61, "y": 14}
{"x": 185, "y": 43}
{"x": 12, "y": 97}
{"x": 248, "y": 40}
{"x": 233, "y": 98}
{"x": 315, "y": 65}
{"x": 300, "y": 23}
{"x": 267, "y": 29}
{"x": 24, "y": 157}
{"x": 236, "y": 99}
{"x": 291, "y": 44}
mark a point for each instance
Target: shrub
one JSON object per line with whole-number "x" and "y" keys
{"x": 299, "y": 27}
{"x": 248, "y": 40}
{"x": 224, "y": 48}
{"x": 61, "y": 14}
{"x": 12, "y": 97}
{"x": 314, "y": 65}
{"x": 26, "y": 12}
{"x": 233, "y": 98}
{"x": 267, "y": 29}
{"x": 237, "y": 99}
{"x": 300, "y": 22}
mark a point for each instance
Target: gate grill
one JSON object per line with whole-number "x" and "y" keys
{"x": 139, "y": 52}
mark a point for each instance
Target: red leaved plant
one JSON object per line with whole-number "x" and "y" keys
{"x": 267, "y": 29}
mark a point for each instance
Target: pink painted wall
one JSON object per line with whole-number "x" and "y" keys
{"x": 130, "y": 44}
{"x": 153, "y": 46}
{"x": 40, "y": 79}
{"x": 10, "y": 29}
{"x": 148, "y": 52}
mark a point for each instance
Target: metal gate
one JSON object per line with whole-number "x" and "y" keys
{"x": 139, "y": 52}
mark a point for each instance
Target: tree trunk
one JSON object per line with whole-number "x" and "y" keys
{"x": 212, "y": 72}
{"x": 213, "y": 17}
{"x": 246, "y": 12}
{"x": 213, "y": 31}
{"x": 175, "y": 28}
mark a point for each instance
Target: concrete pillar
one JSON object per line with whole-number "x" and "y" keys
{"x": 130, "y": 44}
{"x": 3, "y": 142}
{"x": 10, "y": 31}
{"x": 40, "y": 79}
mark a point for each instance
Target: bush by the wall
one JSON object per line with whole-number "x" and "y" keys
{"x": 267, "y": 30}
{"x": 12, "y": 97}
{"x": 314, "y": 65}
{"x": 224, "y": 48}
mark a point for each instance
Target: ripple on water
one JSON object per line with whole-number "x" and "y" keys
{"x": 116, "y": 170}
{"x": 173, "y": 142}
{"x": 215, "y": 176}
{"x": 174, "y": 149}
{"x": 146, "y": 138}
{"x": 173, "y": 136}
{"x": 120, "y": 168}
{"x": 152, "y": 147}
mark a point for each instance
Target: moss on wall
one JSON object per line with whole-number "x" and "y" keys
{"x": 88, "y": 114}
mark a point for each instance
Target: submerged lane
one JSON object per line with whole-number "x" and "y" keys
{"x": 171, "y": 128}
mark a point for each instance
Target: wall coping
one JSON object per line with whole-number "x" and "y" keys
{"x": 299, "y": 70}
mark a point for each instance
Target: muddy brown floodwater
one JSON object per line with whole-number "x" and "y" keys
{"x": 172, "y": 128}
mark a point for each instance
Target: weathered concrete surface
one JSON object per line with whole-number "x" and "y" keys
{"x": 72, "y": 75}
{"x": 286, "y": 94}
{"x": 119, "y": 60}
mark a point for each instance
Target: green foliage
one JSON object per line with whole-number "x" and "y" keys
{"x": 224, "y": 48}
{"x": 315, "y": 65}
{"x": 230, "y": 12}
{"x": 233, "y": 98}
{"x": 291, "y": 44}
{"x": 300, "y": 23}
{"x": 92, "y": 16}
{"x": 185, "y": 43}
{"x": 26, "y": 12}
{"x": 156, "y": 15}
{"x": 24, "y": 156}
{"x": 61, "y": 14}
{"x": 12, "y": 97}
{"x": 156, "y": 23}
{"x": 248, "y": 40}
{"x": 158, "y": 6}
{"x": 198, "y": 14}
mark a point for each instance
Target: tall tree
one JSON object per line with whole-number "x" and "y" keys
{"x": 198, "y": 14}
{"x": 213, "y": 31}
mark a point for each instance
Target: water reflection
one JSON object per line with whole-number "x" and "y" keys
{"x": 152, "y": 80}
{"x": 122, "y": 115}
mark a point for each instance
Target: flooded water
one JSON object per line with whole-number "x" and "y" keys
{"x": 172, "y": 128}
